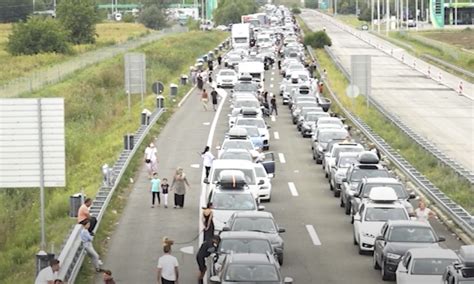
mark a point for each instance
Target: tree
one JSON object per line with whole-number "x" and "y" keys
{"x": 296, "y": 10}
{"x": 36, "y": 35}
{"x": 365, "y": 15}
{"x": 317, "y": 39}
{"x": 152, "y": 17}
{"x": 230, "y": 11}
{"x": 15, "y": 10}
{"x": 79, "y": 17}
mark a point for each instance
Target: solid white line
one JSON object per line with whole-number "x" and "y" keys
{"x": 276, "y": 135}
{"x": 312, "y": 234}
{"x": 273, "y": 118}
{"x": 282, "y": 158}
{"x": 186, "y": 96}
{"x": 292, "y": 188}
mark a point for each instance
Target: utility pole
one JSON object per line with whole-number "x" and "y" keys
{"x": 406, "y": 19}
{"x": 378, "y": 16}
{"x": 357, "y": 7}
{"x": 387, "y": 10}
{"x": 372, "y": 13}
{"x": 456, "y": 13}
{"x": 335, "y": 7}
{"x": 34, "y": 6}
{"x": 416, "y": 14}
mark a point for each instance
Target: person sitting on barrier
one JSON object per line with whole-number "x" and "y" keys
{"x": 84, "y": 214}
{"x": 86, "y": 239}
{"x": 48, "y": 274}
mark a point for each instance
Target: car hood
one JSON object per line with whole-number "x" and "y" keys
{"x": 420, "y": 279}
{"x": 401, "y": 248}
{"x": 372, "y": 228}
{"x": 221, "y": 217}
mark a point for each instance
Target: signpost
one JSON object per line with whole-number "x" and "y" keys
{"x": 135, "y": 75}
{"x": 361, "y": 74}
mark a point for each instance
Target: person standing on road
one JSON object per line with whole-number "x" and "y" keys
{"x": 193, "y": 76}
{"x": 155, "y": 190}
{"x": 86, "y": 239}
{"x": 423, "y": 213}
{"x": 219, "y": 60}
{"x": 200, "y": 80}
{"x": 83, "y": 214}
{"x": 273, "y": 105}
{"x": 48, "y": 274}
{"x": 208, "y": 222}
{"x": 214, "y": 96}
{"x": 209, "y": 78}
{"x": 151, "y": 159}
{"x": 179, "y": 186}
{"x": 207, "y": 159}
{"x": 164, "y": 190}
{"x": 204, "y": 99}
{"x": 205, "y": 250}
{"x": 168, "y": 272}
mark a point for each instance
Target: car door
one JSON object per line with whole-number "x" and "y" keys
{"x": 380, "y": 244}
{"x": 269, "y": 163}
{"x": 356, "y": 199}
{"x": 404, "y": 269}
{"x": 358, "y": 222}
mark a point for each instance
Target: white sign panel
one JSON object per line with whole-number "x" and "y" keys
{"x": 31, "y": 131}
{"x": 135, "y": 73}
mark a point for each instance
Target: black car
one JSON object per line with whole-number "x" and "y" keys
{"x": 396, "y": 238}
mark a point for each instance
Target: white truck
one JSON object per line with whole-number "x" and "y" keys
{"x": 253, "y": 68}
{"x": 241, "y": 35}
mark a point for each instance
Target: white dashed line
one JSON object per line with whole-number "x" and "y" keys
{"x": 312, "y": 234}
{"x": 276, "y": 135}
{"x": 196, "y": 166}
{"x": 271, "y": 86}
{"x": 292, "y": 188}
{"x": 273, "y": 73}
{"x": 282, "y": 158}
{"x": 271, "y": 79}
{"x": 273, "y": 118}
{"x": 206, "y": 123}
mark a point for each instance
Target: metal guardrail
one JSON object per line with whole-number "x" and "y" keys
{"x": 458, "y": 214}
{"x": 72, "y": 253}
{"x": 449, "y": 65}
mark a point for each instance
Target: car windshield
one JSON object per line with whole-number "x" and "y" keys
{"x": 238, "y": 144}
{"x": 245, "y": 246}
{"x": 311, "y": 117}
{"x": 253, "y": 273}
{"x": 430, "y": 266}
{"x": 236, "y": 156}
{"x": 359, "y": 174}
{"x": 346, "y": 162}
{"x": 398, "y": 188}
{"x": 227, "y": 73}
{"x": 336, "y": 122}
{"x": 252, "y": 132}
{"x": 339, "y": 150}
{"x": 385, "y": 214}
{"x": 254, "y": 224}
{"x": 248, "y": 173}
{"x": 411, "y": 234}
{"x": 326, "y": 136}
{"x": 259, "y": 123}
{"x": 245, "y": 87}
{"x": 233, "y": 201}
{"x": 247, "y": 103}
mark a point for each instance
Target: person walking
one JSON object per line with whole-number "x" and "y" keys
{"x": 83, "y": 214}
{"x": 193, "y": 76}
{"x": 107, "y": 277}
{"x": 168, "y": 272}
{"x": 208, "y": 222}
{"x": 214, "y": 96}
{"x": 423, "y": 213}
{"x": 48, "y": 274}
{"x": 210, "y": 65}
{"x": 265, "y": 97}
{"x": 151, "y": 159}
{"x": 200, "y": 81}
{"x": 179, "y": 186}
{"x": 219, "y": 60}
{"x": 86, "y": 239}
{"x": 273, "y": 105}
{"x": 204, "y": 99}
{"x": 209, "y": 78}
{"x": 207, "y": 159}
{"x": 155, "y": 189}
{"x": 164, "y": 190}
{"x": 205, "y": 250}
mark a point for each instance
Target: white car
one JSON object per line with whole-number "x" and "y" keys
{"x": 382, "y": 205}
{"x": 260, "y": 124}
{"x": 425, "y": 265}
{"x": 264, "y": 181}
{"x": 226, "y": 78}
{"x": 330, "y": 156}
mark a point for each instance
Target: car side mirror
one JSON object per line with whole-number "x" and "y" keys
{"x": 379, "y": 238}
{"x": 261, "y": 182}
{"x": 281, "y": 230}
{"x": 288, "y": 280}
{"x": 271, "y": 175}
{"x": 412, "y": 195}
{"x": 268, "y": 127}
{"x": 225, "y": 229}
{"x": 441, "y": 239}
{"x": 261, "y": 207}
{"x": 215, "y": 279}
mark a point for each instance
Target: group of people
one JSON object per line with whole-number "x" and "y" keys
{"x": 205, "y": 99}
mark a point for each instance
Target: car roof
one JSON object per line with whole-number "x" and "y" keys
{"x": 407, "y": 223}
{"x": 253, "y": 214}
{"x": 382, "y": 180}
{"x": 232, "y": 164}
{"x": 243, "y": 235}
{"x": 433, "y": 253}
{"x": 332, "y": 129}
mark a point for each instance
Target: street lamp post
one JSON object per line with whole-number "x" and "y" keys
{"x": 378, "y": 16}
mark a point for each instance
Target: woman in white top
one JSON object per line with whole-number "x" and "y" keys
{"x": 207, "y": 158}
{"x": 422, "y": 213}
{"x": 151, "y": 159}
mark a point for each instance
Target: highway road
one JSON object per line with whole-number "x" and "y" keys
{"x": 432, "y": 110}
{"x": 326, "y": 255}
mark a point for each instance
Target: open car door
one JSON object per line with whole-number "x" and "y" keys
{"x": 269, "y": 163}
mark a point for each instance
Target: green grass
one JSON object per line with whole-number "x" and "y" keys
{"x": 96, "y": 119}
{"x": 351, "y": 20}
{"x": 443, "y": 177}
{"x": 107, "y": 34}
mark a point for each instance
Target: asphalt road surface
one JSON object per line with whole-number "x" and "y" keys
{"x": 434, "y": 111}
{"x": 318, "y": 238}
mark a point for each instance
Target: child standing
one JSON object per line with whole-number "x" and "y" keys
{"x": 164, "y": 190}
{"x": 155, "y": 189}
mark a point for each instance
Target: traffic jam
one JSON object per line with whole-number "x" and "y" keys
{"x": 378, "y": 206}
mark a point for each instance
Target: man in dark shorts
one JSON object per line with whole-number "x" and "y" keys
{"x": 204, "y": 251}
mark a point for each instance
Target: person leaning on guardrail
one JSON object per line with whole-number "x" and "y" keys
{"x": 86, "y": 239}
{"x": 83, "y": 214}
{"x": 49, "y": 274}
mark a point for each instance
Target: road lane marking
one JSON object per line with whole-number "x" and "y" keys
{"x": 206, "y": 123}
{"x": 271, "y": 86}
{"x": 312, "y": 234}
{"x": 292, "y": 188}
{"x": 196, "y": 166}
{"x": 271, "y": 79}
{"x": 276, "y": 135}
{"x": 273, "y": 118}
{"x": 186, "y": 96}
{"x": 282, "y": 158}
{"x": 273, "y": 73}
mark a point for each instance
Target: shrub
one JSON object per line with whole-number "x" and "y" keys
{"x": 37, "y": 35}
{"x": 365, "y": 15}
{"x": 129, "y": 18}
{"x": 79, "y": 17}
{"x": 230, "y": 11}
{"x": 193, "y": 25}
{"x": 317, "y": 39}
{"x": 153, "y": 17}
{"x": 296, "y": 11}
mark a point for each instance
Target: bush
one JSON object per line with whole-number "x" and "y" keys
{"x": 365, "y": 15}
{"x": 153, "y": 17}
{"x": 317, "y": 39}
{"x": 193, "y": 25}
{"x": 129, "y": 18}
{"x": 37, "y": 35}
{"x": 79, "y": 17}
{"x": 296, "y": 11}
{"x": 230, "y": 11}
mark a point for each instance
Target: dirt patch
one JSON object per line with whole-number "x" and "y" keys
{"x": 463, "y": 38}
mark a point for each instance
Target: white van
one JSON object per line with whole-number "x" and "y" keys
{"x": 255, "y": 69}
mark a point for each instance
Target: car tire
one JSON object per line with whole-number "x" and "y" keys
{"x": 383, "y": 271}
{"x": 347, "y": 208}
{"x": 375, "y": 264}
{"x": 318, "y": 161}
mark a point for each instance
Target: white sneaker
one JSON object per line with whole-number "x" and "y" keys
{"x": 100, "y": 262}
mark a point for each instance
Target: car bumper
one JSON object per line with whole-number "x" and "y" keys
{"x": 226, "y": 84}
{"x": 366, "y": 243}
{"x": 391, "y": 265}
{"x": 264, "y": 194}
{"x": 307, "y": 132}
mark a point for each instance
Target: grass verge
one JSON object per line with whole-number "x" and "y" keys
{"x": 96, "y": 118}
{"x": 107, "y": 34}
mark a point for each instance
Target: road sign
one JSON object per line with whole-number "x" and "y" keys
{"x": 361, "y": 73}
{"x": 135, "y": 73}
{"x": 352, "y": 91}
{"x": 157, "y": 88}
